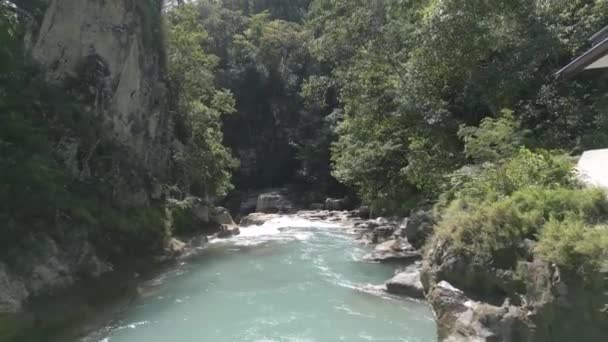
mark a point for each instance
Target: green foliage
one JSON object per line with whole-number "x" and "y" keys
{"x": 531, "y": 196}
{"x": 526, "y": 168}
{"x": 493, "y": 140}
{"x": 278, "y": 135}
{"x": 575, "y": 244}
{"x": 37, "y": 193}
{"x": 206, "y": 164}
{"x": 405, "y": 65}
{"x": 183, "y": 220}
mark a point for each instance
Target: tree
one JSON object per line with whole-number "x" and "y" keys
{"x": 205, "y": 163}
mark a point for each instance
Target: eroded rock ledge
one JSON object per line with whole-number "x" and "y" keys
{"x": 535, "y": 302}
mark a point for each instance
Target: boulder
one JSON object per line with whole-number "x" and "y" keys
{"x": 418, "y": 227}
{"x": 538, "y": 303}
{"x": 248, "y": 205}
{"x": 460, "y": 319}
{"x": 396, "y": 251}
{"x": 256, "y": 219}
{"x": 175, "y": 247}
{"x": 384, "y": 232}
{"x": 198, "y": 241}
{"x": 334, "y": 204}
{"x": 363, "y": 212}
{"x": 406, "y": 283}
{"x": 222, "y": 216}
{"x": 227, "y": 231}
{"x": 201, "y": 211}
{"x": 273, "y": 202}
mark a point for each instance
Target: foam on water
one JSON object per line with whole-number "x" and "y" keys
{"x": 283, "y": 228}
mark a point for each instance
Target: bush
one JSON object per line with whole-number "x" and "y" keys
{"x": 495, "y": 181}
{"x": 575, "y": 245}
{"x": 488, "y": 230}
{"x": 493, "y": 139}
{"x": 530, "y": 196}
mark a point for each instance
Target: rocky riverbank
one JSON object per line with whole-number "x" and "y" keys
{"x": 388, "y": 235}
{"x": 474, "y": 303}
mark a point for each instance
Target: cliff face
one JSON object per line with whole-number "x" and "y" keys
{"x": 111, "y": 54}
{"x": 106, "y": 58}
{"x": 537, "y": 303}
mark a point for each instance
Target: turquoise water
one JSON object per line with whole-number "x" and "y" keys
{"x": 289, "y": 280}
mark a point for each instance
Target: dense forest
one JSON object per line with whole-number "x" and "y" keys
{"x": 412, "y": 103}
{"x": 448, "y": 105}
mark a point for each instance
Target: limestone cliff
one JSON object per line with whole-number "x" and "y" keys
{"x": 112, "y": 53}
{"x": 107, "y": 58}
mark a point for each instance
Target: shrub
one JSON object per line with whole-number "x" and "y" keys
{"x": 493, "y": 139}
{"x": 495, "y": 181}
{"x": 574, "y": 245}
{"x": 487, "y": 229}
{"x": 490, "y": 210}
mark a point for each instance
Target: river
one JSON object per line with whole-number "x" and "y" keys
{"x": 288, "y": 280}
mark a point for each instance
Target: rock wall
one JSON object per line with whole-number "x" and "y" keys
{"x": 107, "y": 57}
{"x": 111, "y": 55}
{"x": 535, "y": 302}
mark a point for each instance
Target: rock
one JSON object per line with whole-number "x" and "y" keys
{"x": 406, "y": 283}
{"x": 460, "y": 319}
{"x": 399, "y": 233}
{"x": 384, "y": 232}
{"x": 369, "y": 224}
{"x": 380, "y": 221}
{"x": 539, "y": 302}
{"x": 273, "y": 202}
{"x": 334, "y": 204}
{"x": 364, "y": 212}
{"x": 222, "y": 216}
{"x": 228, "y": 231}
{"x": 102, "y": 51}
{"x": 366, "y": 239}
{"x": 591, "y": 168}
{"x": 256, "y": 219}
{"x": 318, "y": 215}
{"x": 398, "y": 251}
{"x": 201, "y": 211}
{"x": 317, "y": 206}
{"x": 248, "y": 205}
{"x": 175, "y": 247}
{"x": 418, "y": 227}
{"x": 46, "y": 266}
{"x": 198, "y": 241}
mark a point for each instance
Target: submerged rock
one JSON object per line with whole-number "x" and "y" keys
{"x": 227, "y": 231}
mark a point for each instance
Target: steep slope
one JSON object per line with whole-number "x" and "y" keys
{"x": 112, "y": 52}
{"x": 105, "y": 60}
